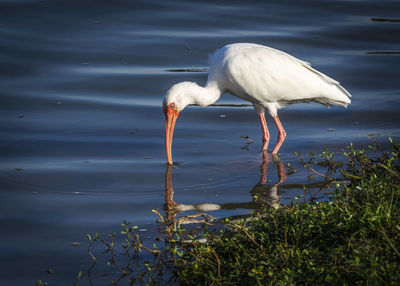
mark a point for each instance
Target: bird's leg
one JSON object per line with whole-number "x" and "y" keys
{"x": 265, "y": 131}
{"x": 281, "y": 134}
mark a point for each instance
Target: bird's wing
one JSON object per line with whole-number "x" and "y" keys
{"x": 320, "y": 74}
{"x": 326, "y": 78}
{"x": 261, "y": 74}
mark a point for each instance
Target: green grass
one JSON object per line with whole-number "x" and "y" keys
{"x": 354, "y": 239}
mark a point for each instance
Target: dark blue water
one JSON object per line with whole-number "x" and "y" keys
{"x": 82, "y": 130}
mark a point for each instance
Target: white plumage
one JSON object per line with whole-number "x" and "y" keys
{"x": 266, "y": 77}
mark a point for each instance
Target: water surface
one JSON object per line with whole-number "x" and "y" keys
{"x": 82, "y": 130}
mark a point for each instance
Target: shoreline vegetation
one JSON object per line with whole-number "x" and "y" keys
{"x": 352, "y": 239}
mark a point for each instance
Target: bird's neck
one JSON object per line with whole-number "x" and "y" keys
{"x": 207, "y": 95}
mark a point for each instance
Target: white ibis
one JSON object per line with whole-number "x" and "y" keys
{"x": 268, "y": 78}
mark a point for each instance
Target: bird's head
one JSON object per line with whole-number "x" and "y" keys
{"x": 177, "y": 98}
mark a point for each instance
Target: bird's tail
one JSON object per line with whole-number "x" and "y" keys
{"x": 338, "y": 96}
{"x": 344, "y": 91}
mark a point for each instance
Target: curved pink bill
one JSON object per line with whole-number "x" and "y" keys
{"x": 169, "y": 133}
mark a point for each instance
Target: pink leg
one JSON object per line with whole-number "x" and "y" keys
{"x": 281, "y": 135}
{"x": 265, "y": 131}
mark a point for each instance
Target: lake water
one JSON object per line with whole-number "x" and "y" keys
{"x": 82, "y": 128}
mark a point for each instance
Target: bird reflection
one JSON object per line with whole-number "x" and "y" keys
{"x": 268, "y": 193}
{"x": 263, "y": 194}
{"x": 172, "y": 208}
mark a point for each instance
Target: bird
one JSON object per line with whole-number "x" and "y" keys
{"x": 268, "y": 78}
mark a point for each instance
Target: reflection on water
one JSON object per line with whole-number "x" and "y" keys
{"x": 82, "y": 130}
{"x": 263, "y": 194}
{"x": 184, "y": 224}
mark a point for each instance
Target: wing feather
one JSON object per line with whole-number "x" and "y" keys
{"x": 323, "y": 76}
{"x": 262, "y": 74}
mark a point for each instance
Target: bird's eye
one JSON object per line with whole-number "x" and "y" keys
{"x": 172, "y": 106}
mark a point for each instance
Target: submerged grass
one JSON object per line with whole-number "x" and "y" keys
{"x": 352, "y": 239}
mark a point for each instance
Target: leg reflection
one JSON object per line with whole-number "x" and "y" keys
{"x": 268, "y": 193}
